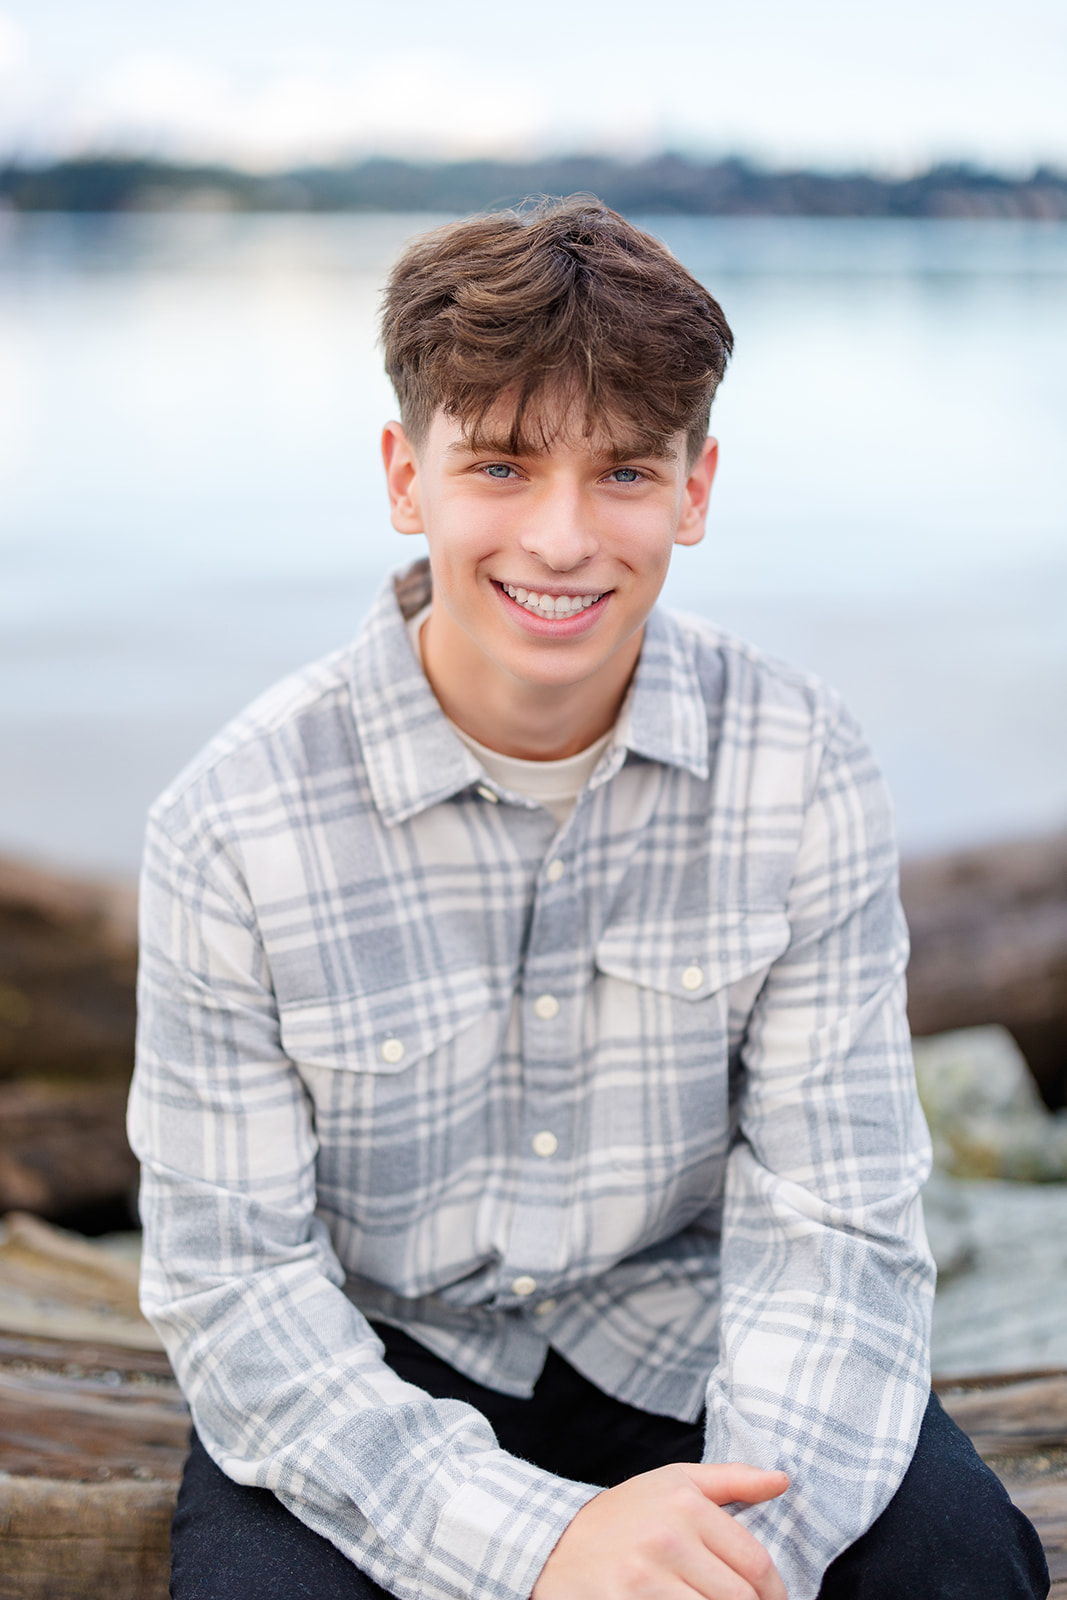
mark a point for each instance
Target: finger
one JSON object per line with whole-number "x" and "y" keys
{"x": 715, "y": 1579}
{"x": 734, "y": 1480}
{"x": 725, "y": 1538}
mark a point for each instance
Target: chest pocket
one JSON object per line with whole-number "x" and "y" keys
{"x": 385, "y": 1072}
{"x": 670, "y": 1004}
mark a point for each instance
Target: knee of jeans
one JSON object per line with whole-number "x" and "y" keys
{"x": 953, "y": 1507}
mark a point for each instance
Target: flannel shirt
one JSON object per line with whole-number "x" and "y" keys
{"x": 638, "y": 1087}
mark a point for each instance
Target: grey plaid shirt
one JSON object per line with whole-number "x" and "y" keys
{"x": 638, "y": 1087}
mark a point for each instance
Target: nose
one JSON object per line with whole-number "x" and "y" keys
{"x": 561, "y": 530}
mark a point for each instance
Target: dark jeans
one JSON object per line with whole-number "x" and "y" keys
{"x": 949, "y": 1533}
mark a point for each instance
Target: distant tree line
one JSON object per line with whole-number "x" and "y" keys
{"x": 666, "y": 184}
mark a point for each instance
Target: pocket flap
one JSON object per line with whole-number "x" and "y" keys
{"x": 386, "y": 1031}
{"x": 693, "y": 960}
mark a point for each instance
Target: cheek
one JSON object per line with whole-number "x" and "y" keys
{"x": 648, "y": 545}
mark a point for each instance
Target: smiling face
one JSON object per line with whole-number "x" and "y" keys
{"x": 546, "y": 563}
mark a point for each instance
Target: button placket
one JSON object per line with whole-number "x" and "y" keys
{"x": 551, "y": 1015}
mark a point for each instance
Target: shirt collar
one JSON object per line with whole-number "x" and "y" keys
{"x": 665, "y": 717}
{"x": 414, "y": 760}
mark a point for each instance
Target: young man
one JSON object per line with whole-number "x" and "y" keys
{"x": 531, "y": 1153}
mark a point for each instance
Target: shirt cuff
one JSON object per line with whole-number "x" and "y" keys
{"x": 496, "y": 1532}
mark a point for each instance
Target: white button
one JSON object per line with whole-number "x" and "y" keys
{"x": 545, "y": 1144}
{"x": 524, "y": 1285}
{"x": 392, "y": 1051}
{"x": 487, "y": 794}
{"x": 555, "y": 870}
{"x": 692, "y": 977}
{"x": 546, "y": 1007}
{"x": 545, "y": 1307}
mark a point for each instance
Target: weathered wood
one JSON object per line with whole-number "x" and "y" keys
{"x": 1013, "y": 1419}
{"x": 98, "y": 1427}
{"x": 1018, "y": 1423}
{"x": 68, "y": 954}
{"x": 67, "y": 976}
{"x": 1046, "y": 1506}
{"x": 75, "y": 1356}
{"x": 54, "y": 1284}
{"x": 64, "y": 1535}
{"x": 989, "y": 944}
{"x": 87, "y": 1413}
{"x": 80, "y": 1541}
{"x": 92, "y": 1441}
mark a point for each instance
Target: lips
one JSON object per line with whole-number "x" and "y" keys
{"x": 548, "y": 605}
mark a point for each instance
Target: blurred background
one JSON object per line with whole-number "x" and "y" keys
{"x": 191, "y": 502}
{"x": 198, "y": 208}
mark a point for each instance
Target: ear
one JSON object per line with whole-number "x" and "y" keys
{"x": 696, "y": 495}
{"x": 401, "y": 479}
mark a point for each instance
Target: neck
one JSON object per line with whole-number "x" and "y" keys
{"x": 533, "y": 721}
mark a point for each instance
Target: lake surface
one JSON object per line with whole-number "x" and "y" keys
{"x": 191, "y": 501}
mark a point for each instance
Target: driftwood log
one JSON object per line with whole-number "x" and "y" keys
{"x": 92, "y": 1440}
{"x": 1018, "y": 1423}
{"x": 68, "y": 961}
{"x": 93, "y": 1429}
{"x": 989, "y": 944}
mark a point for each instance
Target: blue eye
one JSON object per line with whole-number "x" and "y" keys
{"x": 498, "y": 469}
{"x": 626, "y": 475}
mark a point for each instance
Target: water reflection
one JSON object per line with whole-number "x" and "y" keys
{"x": 190, "y": 498}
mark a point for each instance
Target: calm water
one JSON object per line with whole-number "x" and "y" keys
{"x": 190, "y": 496}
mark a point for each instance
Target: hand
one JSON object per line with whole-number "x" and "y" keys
{"x": 664, "y": 1536}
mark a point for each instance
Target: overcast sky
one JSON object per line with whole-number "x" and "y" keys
{"x": 828, "y": 82}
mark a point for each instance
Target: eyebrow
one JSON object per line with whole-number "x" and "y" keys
{"x": 483, "y": 444}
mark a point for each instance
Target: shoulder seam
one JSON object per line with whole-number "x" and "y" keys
{"x": 295, "y": 694}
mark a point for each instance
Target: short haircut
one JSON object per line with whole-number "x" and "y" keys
{"x": 565, "y": 298}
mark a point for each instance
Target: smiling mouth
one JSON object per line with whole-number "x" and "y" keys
{"x": 551, "y": 605}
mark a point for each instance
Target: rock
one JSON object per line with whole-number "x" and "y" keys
{"x": 986, "y": 1117}
{"x": 1001, "y": 1248}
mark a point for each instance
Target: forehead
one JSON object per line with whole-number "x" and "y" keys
{"x": 549, "y": 424}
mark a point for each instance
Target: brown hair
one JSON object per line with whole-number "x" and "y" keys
{"x": 565, "y": 297}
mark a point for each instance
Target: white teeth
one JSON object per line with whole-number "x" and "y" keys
{"x": 547, "y": 605}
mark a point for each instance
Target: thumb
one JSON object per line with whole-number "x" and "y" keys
{"x": 735, "y": 1481}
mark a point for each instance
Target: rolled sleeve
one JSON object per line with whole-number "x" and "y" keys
{"x": 827, "y": 1277}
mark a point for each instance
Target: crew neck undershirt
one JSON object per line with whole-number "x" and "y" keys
{"x": 555, "y": 785}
